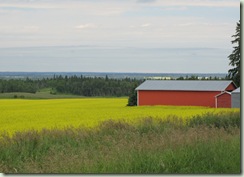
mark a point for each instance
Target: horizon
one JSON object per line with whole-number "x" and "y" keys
{"x": 115, "y": 75}
{"x": 103, "y": 72}
{"x": 114, "y": 59}
{"x": 107, "y": 72}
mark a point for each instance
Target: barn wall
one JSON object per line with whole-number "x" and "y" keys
{"x": 235, "y": 100}
{"x": 184, "y": 98}
{"x": 230, "y": 87}
{"x": 224, "y": 101}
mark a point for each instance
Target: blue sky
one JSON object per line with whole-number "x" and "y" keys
{"x": 121, "y": 24}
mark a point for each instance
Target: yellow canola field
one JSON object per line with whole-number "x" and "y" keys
{"x": 20, "y": 115}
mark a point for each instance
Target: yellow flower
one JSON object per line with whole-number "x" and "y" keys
{"x": 22, "y": 115}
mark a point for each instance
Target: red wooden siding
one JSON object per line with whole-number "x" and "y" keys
{"x": 230, "y": 87}
{"x": 183, "y": 98}
{"x": 224, "y": 100}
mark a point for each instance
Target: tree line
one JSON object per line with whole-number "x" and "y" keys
{"x": 77, "y": 85}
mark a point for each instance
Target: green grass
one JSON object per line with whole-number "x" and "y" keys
{"x": 219, "y": 120}
{"x": 46, "y": 93}
{"x": 43, "y": 94}
{"x": 153, "y": 146}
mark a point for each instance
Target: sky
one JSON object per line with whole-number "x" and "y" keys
{"x": 174, "y": 36}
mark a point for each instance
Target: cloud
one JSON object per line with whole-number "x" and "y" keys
{"x": 87, "y": 7}
{"x": 204, "y": 24}
{"x": 146, "y": 25}
{"x": 32, "y": 28}
{"x": 197, "y": 3}
{"x": 179, "y": 8}
{"x": 186, "y": 24}
{"x": 114, "y": 6}
{"x": 146, "y": 1}
{"x": 19, "y": 29}
{"x": 115, "y": 22}
{"x": 24, "y": 6}
{"x": 86, "y": 26}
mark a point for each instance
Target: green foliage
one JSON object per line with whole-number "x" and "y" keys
{"x": 235, "y": 57}
{"x": 152, "y": 146}
{"x": 37, "y": 95}
{"x": 132, "y": 101}
{"x": 84, "y": 86}
{"x": 18, "y": 85}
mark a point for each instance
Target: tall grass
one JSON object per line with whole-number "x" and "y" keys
{"x": 218, "y": 120}
{"x": 151, "y": 146}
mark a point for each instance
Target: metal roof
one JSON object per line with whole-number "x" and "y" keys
{"x": 236, "y": 90}
{"x": 184, "y": 85}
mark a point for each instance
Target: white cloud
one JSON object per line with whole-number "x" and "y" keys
{"x": 113, "y": 22}
{"x": 146, "y": 1}
{"x": 86, "y": 7}
{"x": 186, "y": 24}
{"x": 178, "y": 8}
{"x": 194, "y": 24}
{"x": 86, "y": 26}
{"x": 202, "y": 3}
{"x": 19, "y": 6}
{"x": 19, "y": 29}
{"x": 146, "y": 25}
{"x": 32, "y": 28}
{"x": 112, "y": 7}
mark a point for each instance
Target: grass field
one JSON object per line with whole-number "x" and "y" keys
{"x": 23, "y": 114}
{"x": 41, "y": 94}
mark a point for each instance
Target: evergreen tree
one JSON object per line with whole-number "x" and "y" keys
{"x": 132, "y": 101}
{"x": 235, "y": 57}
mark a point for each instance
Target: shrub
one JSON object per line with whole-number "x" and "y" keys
{"x": 22, "y": 96}
{"x": 132, "y": 101}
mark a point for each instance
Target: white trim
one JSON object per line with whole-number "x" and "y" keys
{"x": 216, "y": 97}
{"x": 222, "y": 93}
{"x": 216, "y": 102}
{"x": 137, "y": 97}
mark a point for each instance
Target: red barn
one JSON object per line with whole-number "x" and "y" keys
{"x": 223, "y": 100}
{"x": 185, "y": 93}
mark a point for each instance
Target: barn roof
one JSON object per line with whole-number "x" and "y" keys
{"x": 236, "y": 90}
{"x": 184, "y": 85}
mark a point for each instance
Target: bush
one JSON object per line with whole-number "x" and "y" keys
{"x": 132, "y": 101}
{"x": 22, "y": 96}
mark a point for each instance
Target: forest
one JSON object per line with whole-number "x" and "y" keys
{"x": 77, "y": 85}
